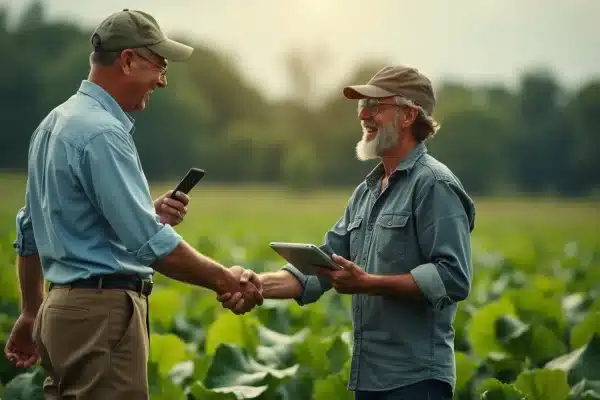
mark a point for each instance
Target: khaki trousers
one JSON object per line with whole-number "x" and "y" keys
{"x": 93, "y": 344}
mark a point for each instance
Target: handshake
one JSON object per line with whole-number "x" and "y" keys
{"x": 243, "y": 293}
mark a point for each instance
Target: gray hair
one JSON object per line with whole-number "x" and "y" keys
{"x": 425, "y": 125}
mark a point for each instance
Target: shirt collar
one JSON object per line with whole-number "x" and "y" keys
{"x": 108, "y": 102}
{"x": 403, "y": 167}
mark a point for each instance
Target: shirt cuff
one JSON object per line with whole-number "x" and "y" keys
{"x": 431, "y": 284}
{"x": 311, "y": 287}
{"x": 159, "y": 245}
{"x": 25, "y": 242}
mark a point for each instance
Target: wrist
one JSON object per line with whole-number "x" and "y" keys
{"x": 369, "y": 284}
{"x": 225, "y": 282}
{"x": 31, "y": 310}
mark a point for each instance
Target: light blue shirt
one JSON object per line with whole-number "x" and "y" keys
{"x": 420, "y": 225}
{"x": 88, "y": 208}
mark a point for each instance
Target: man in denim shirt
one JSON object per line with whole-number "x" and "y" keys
{"x": 404, "y": 246}
{"x": 90, "y": 227}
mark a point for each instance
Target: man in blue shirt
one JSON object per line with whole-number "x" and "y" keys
{"x": 403, "y": 243}
{"x": 90, "y": 227}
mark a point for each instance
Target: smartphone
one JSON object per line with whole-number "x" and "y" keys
{"x": 189, "y": 181}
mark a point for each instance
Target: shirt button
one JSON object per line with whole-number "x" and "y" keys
{"x": 390, "y": 223}
{"x": 370, "y": 227}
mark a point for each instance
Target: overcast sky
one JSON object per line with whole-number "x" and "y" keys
{"x": 471, "y": 40}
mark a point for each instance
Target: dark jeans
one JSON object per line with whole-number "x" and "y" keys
{"x": 424, "y": 390}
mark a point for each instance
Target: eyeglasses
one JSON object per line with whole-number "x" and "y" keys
{"x": 162, "y": 68}
{"x": 371, "y": 105}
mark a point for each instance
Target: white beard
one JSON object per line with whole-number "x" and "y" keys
{"x": 386, "y": 139}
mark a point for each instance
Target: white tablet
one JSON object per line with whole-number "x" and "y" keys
{"x": 304, "y": 256}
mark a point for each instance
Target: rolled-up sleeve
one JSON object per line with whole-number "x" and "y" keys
{"x": 445, "y": 218}
{"x": 25, "y": 241}
{"x": 111, "y": 175}
{"x": 336, "y": 241}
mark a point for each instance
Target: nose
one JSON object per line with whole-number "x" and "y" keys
{"x": 364, "y": 115}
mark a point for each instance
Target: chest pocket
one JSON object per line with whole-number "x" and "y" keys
{"x": 354, "y": 241}
{"x": 393, "y": 236}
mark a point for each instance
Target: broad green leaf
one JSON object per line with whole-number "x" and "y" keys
{"x": 332, "y": 387}
{"x": 543, "y": 384}
{"x": 200, "y": 392}
{"x": 319, "y": 354}
{"x": 276, "y": 349}
{"x": 201, "y": 365}
{"x": 574, "y": 306}
{"x": 229, "y": 328}
{"x": 165, "y": 303}
{"x": 586, "y": 390}
{"x": 275, "y": 314}
{"x": 595, "y": 305}
{"x": 547, "y": 285}
{"x": 583, "y": 363}
{"x": 493, "y": 389}
{"x": 535, "y": 307}
{"x": 522, "y": 340}
{"x": 166, "y": 351}
{"x": 165, "y": 389}
{"x": 465, "y": 370}
{"x": 583, "y": 332}
{"x": 25, "y": 386}
{"x": 482, "y": 327}
{"x": 504, "y": 367}
{"x": 233, "y": 366}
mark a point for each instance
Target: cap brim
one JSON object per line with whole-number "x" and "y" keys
{"x": 362, "y": 91}
{"x": 172, "y": 50}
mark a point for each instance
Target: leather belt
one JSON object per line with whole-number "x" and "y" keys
{"x": 117, "y": 281}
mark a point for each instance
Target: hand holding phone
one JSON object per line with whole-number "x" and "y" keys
{"x": 190, "y": 180}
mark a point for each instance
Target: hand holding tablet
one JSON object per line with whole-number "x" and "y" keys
{"x": 304, "y": 256}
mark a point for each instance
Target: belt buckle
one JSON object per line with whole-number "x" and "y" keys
{"x": 145, "y": 283}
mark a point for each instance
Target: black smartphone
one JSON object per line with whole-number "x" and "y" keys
{"x": 189, "y": 181}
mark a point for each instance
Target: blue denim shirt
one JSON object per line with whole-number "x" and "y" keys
{"x": 419, "y": 225}
{"x": 88, "y": 208}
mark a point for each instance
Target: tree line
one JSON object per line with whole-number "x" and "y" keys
{"x": 537, "y": 138}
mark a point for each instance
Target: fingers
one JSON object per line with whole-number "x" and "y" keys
{"x": 346, "y": 264}
{"x": 224, "y": 297}
{"x": 27, "y": 361}
{"x": 246, "y": 276}
{"x": 249, "y": 276}
{"x": 173, "y": 207}
{"x": 182, "y": 197}
{"x": 233, "y": 302}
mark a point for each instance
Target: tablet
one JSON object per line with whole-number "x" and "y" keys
{"x": 304, "y": 256}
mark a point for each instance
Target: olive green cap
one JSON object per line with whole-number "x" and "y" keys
{"x": 130, "y": 29}
{"x": 397, "y": 80}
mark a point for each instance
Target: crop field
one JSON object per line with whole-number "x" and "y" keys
{"x": 529, "y": 330}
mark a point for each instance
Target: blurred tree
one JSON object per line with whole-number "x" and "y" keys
{"x": 540, "y": 137}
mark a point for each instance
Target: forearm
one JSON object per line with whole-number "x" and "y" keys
{"x": 280, "y": 285}
{"x": 392, "y": 285}
{"x": 187, "y": 265}
{"x": 31, "y": 283}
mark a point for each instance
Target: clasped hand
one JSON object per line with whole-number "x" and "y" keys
{"x": 246, "y": 295}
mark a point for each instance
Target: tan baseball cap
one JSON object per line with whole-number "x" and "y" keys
{"x": 397, "y": 80}
{"x": 129, "y": 29}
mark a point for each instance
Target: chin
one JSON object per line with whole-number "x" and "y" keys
{"x": 367, "y": 149}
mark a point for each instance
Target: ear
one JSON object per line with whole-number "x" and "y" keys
{"x": 410, "y": 115}
{"x": 127, "y": 60}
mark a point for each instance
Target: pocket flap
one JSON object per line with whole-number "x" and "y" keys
{"x": 354, "y": 224}
{"x": 393, "y": 220}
